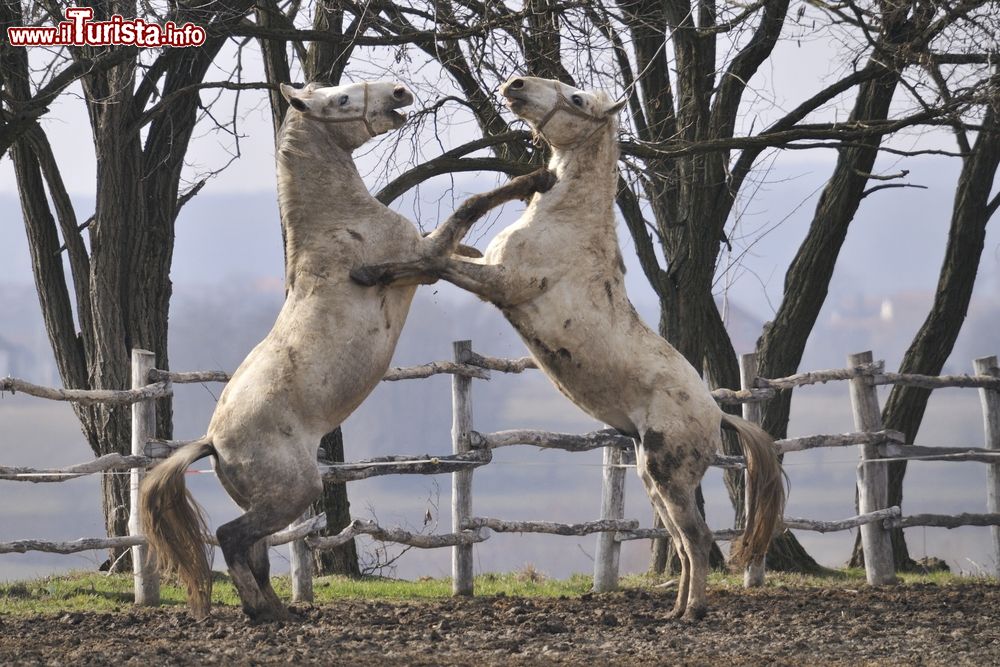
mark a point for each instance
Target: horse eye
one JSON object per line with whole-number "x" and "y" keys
{"x": 344, "y": 99}
{"x": 577, "y": 100}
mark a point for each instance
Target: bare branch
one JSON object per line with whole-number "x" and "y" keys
{"x": 888, "y": 186}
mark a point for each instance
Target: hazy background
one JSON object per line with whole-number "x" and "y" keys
{"x": 227, "y": 277}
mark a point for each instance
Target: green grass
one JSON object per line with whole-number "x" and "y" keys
{"x": 98, "y": 592}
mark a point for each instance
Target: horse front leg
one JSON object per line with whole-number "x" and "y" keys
{"x": 495, "y": 283}
{"x": 501, "y": 285}
{"x": 444, "y": 240}
{"x": 421, "y": 271}
{"x": 434, "y": 250}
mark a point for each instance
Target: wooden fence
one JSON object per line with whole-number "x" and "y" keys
{"x": 471, "y": 449}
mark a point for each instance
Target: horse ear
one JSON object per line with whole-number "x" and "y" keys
{"x": 616, "y": 107}
{"x": 291, "y": 95}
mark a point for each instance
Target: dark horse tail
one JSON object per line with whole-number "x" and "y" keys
{"x": 175, "y": 525}
{"x": 765, "y": 492}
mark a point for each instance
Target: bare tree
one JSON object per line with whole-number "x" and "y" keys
{"x": 143, "y": 107}
{"x": 898, "y": 36}
{"x": 933, "y": 343}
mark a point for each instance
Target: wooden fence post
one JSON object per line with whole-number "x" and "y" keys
{"x": 873, "y": 478}
{"x": 612, "y": 507}
{"x": 991, "y": 436}
{"x": 461, "y": 482}
{"x": 144, "y": 572}
{"x": 753, "y": 576}
{"x": 300, "y": 568}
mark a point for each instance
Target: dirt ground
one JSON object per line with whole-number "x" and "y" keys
{"x": 921, "y": 624}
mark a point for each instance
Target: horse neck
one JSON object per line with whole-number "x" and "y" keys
{"x": 587, "y": 178}
{"x": 319, "y": 187}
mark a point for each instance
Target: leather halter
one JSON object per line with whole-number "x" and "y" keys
{"x": 363, "y": 118}
{"x": 562, "y": 104}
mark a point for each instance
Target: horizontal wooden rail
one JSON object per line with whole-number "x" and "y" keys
{"x": 842, "y": 524}
{"x": 569, "y": 442}
{"x": 397, "y": 535}
{"x": 957, "y": 454}
{"x": 938, "y": 381}
{"x": 436, "y": 368}
{"x": 840, "y": 440}
{"x": 472, "y": 532}
{"x": 189, "y": 377}
{"x": 518, "y": 365}
{"x": 549, "y": 527}
{"x": 943, "y": 520}
{"x": 392, "y": 375}
{"x": 296, "y": 532}
{"x": 87, "y": 396}
{"x": 739, "y": 396}
{"x": 76, "y": 546}
{"x": 106, "y": 463}
{"x": 789, "y": 522}
{"x": 820, "y": 377}
{"x": 479, "y": 366}
{"x": 405, "y": 465}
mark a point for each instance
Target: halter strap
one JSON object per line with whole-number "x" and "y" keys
{"x": 363, "y": 118}
{"x": 562, "y": 104}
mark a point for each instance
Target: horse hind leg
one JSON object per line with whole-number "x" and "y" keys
{"x": 238, "y": 540}
{"x": 675, "y": 469}
{"x": 697, "y": 539}
{"x": 683, "y": 584}
{"x": 289, "y": 491}
{"x": 260, "y": 566}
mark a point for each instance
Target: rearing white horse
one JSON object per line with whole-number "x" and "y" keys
{"x": 330, "y": 346}
{"x": 557, "y": 276}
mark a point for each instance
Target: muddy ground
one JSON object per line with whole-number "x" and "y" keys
{"x": 921, "y": 624}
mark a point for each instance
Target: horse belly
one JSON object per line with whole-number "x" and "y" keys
{"x": 576, "y": 352}
{"x": 347, "y": 356}
{"x": 314, "y": 368}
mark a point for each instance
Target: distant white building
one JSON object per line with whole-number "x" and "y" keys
{"x": 885, "y": 312}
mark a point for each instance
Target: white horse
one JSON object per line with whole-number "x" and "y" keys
{"x": 557, "y": 276}
{"x": 330, "y": 346}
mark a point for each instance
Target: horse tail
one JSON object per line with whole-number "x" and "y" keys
{"x": 765, "y": 493}
{"x": 175, "y": 525}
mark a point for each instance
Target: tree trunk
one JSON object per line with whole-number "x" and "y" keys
{"x": 658, "y": 549}
{"x": 343, "y": 559}
{"x": 120, "y": 281}
{"x": 934, "y": 342}
{"x": 783, "y": 341}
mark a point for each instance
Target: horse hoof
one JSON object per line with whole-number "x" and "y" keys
{"x": 364, "y": 276}
{"x": 693, "y": 614}
{"x": 268, "y": 615}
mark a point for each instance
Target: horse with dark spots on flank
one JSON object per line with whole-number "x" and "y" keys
{"x": 558, "y": 277}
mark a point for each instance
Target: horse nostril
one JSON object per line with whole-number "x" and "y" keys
{"x": 399, "y": 92}
{"x": 516, "y": 84}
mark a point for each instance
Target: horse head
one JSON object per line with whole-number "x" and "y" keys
{"x": 356, "y": 112}
{"x": 565, "y": 116}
